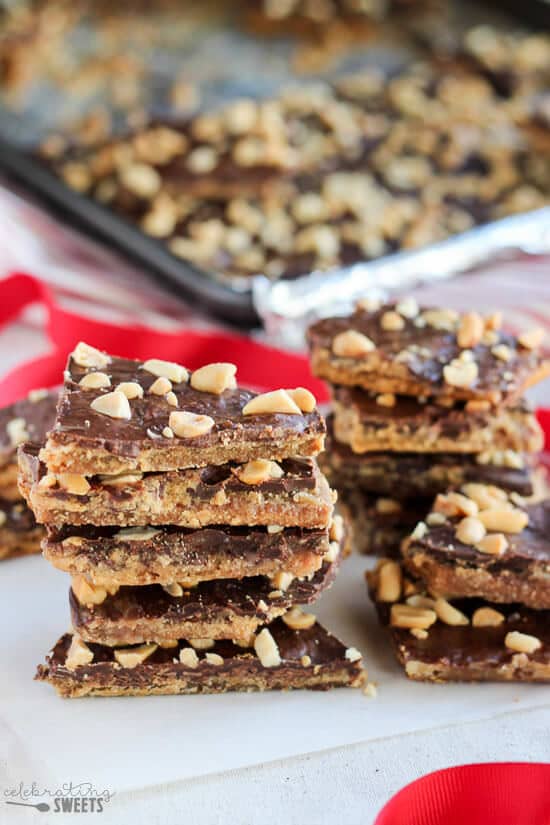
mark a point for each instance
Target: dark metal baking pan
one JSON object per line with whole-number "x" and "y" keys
{"x": 81, "y": 212}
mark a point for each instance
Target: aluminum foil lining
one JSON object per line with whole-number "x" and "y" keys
{"x": 288, "y": 307}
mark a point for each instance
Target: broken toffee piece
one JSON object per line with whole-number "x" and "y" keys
{"x": 410, "y": 475}
{"x": 480, "y": 543}
{"x": 290, "y": 493}
{"x": 165, "y": 554}
{"x": 398, "y": 423}
{"x": 117, "y": 415}
{"x": 469, "y": 640}
{"x": 281, "y": 659}
{"x": 26, "y": 420}
{"x": 19, "y": 533}
{"x": 403, "y": 349}
{"x": 221, "y": 609}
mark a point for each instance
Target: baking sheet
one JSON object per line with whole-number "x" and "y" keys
{"x": 287, "y": 308}
{"x": 120, "y": 744}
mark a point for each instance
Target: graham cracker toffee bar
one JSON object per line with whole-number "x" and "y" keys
{"x": 290, "y": 493}
{"x": 409, "y": 475}
{"x": 220, "y": 609}
{"x": 165, "y": 554}
{"x": 385, "y": 421}
{"x": 468, "y": 640}
{"x": 281, "y": 658}
{"x": 117, "y": 415}
{"x": 404, "y": 349}
{"x": 484, "y": 542}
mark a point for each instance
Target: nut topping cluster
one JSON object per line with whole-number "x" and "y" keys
{"x": 327, "y": 175}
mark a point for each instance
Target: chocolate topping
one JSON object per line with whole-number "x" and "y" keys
{"x": 78, "y": 423}
{"x": 429, "y": 349}
{"x": 465, "y": 646}
{"x": 38, "y": 417}
{"x": 524, "y": 549}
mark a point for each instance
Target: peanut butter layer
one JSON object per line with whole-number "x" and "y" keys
{"x": 311, "y": 658}
{"x": 19, "y": 533}
{"x": 408, "y": 475}
{"x": 468, "y": 640}
{"x": 368, "y": 422}
{"x": 26, "y": 420}
{"x": 222, "y": 609}
{"x": 107, "y": 556}
{"x": 86, "y": 440}
{"x": 187, "y": 498}
{"x": 464, "y": 561}
{"x": 380, "y": 524}
{"x": 426, "y": 352}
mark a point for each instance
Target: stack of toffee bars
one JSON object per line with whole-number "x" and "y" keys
{"x": 468, "y": 597}
{"x": 193, "y": 519}
{"x": 26, "y": 420}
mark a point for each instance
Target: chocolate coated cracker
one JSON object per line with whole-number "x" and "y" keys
{"x": 188, "y": 498}
{"x": 411, "y": 358}
{"x": 468, "y": 653}
{"x": 406, "y": 475}
{"x": 411, "y": 426}
{"x": 457, "y": 569}
{"x": 88, "y": 442}
{"x": 310, "y": 659}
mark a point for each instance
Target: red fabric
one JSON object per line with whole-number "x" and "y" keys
{"x": 258, "y": 365}
{"x": 492, "y": 794}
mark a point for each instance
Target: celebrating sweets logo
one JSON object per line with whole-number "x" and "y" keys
{"x": 82, "y": 798}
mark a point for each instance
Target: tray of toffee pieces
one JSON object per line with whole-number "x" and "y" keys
{"x": 266, "y": 173}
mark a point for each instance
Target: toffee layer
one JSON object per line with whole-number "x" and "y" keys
{"x": 412, "y": 426}
{"x": 188, "y": 498}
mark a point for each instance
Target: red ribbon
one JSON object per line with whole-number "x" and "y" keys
{"x": 492, "y": 794}
{"x": 258, "y": 365}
